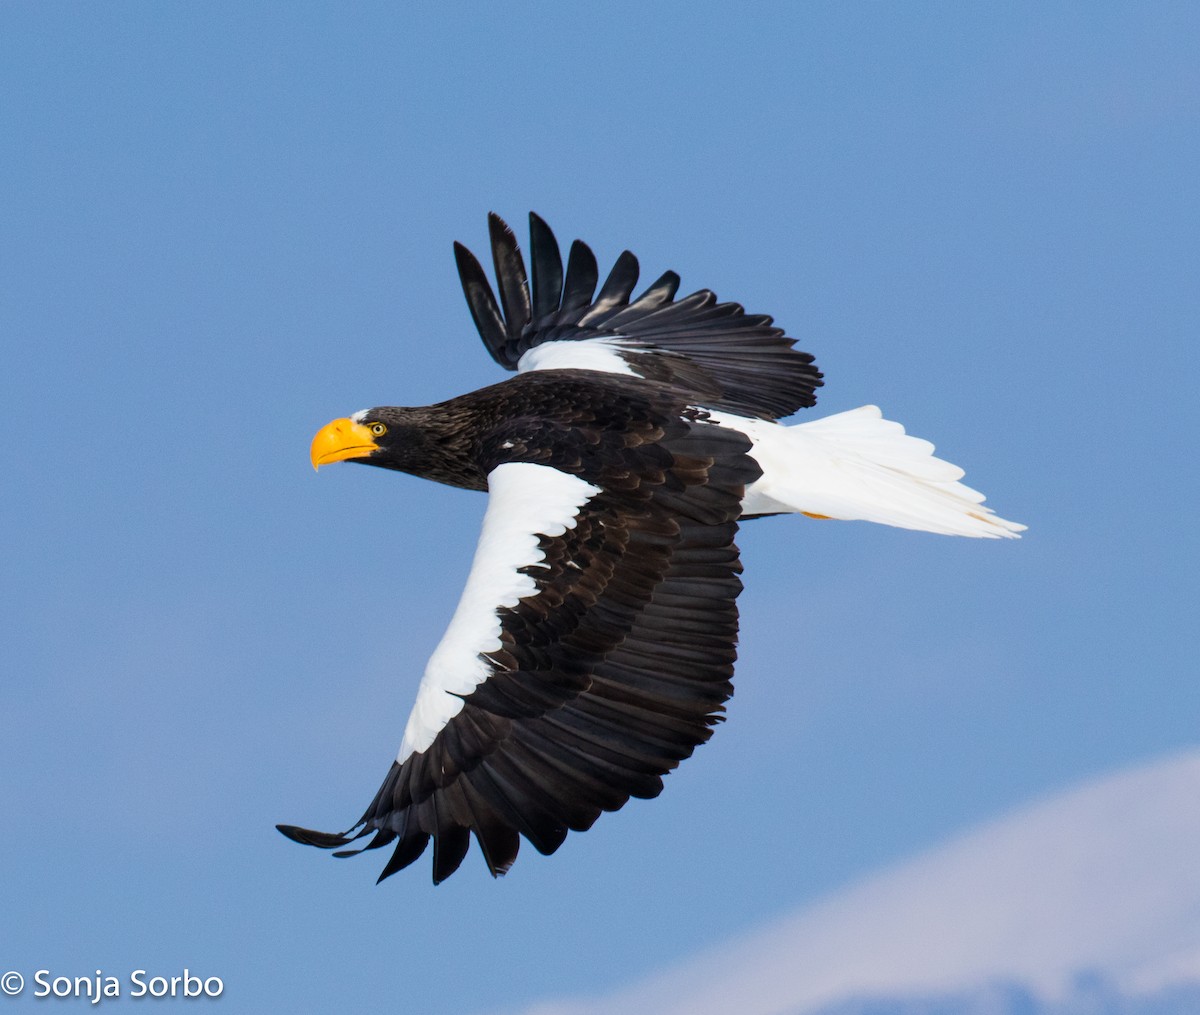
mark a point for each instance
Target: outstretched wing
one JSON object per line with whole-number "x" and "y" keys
{"x": 591, "y": 652}
{"x": 727, "y": 358}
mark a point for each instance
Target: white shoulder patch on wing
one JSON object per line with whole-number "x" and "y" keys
{"x": 603, "y": 354}
{"x": 525, "y": 501}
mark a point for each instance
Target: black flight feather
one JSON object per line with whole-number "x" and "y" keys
{"x": 482, "y": 302}
{"x": 510, "y": 276}
{"x": 547, "y": 269}
{"x": 731, "y": 360}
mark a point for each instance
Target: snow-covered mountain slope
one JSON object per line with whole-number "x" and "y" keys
{"x": 1101, "y": 881}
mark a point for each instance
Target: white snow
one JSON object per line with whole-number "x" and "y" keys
{"x": 1104, "y": 878}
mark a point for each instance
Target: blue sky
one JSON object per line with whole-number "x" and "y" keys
{"x": 222, "y": 225}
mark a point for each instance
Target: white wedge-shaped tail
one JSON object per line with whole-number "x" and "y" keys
{"x": 857, "y": 465}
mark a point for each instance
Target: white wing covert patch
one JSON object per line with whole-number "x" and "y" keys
{"x": 525, "y": 502}
{"x": 603, "y": 354}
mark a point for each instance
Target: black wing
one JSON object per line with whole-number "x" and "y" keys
{"x": 606, "y": 678}
{"x": 729, "y": 359}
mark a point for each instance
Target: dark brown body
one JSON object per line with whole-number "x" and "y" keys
{"x": 578, "y": 421}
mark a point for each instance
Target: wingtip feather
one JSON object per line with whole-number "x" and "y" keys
{"x": 309, "y": 837}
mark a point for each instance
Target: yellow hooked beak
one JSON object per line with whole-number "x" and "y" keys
{"x": 339, "y": 440}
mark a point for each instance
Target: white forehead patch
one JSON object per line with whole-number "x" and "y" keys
{"x": 359, "y": 416}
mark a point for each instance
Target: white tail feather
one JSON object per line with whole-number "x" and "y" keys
{"x": 857, "y": 465}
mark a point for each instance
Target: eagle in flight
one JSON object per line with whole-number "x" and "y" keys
{"x": 593, "y": 647}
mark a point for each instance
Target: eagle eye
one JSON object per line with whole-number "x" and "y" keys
{"x": 378, "y": 429}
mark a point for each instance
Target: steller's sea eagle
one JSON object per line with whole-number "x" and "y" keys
{"x": 593, "y": 646}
